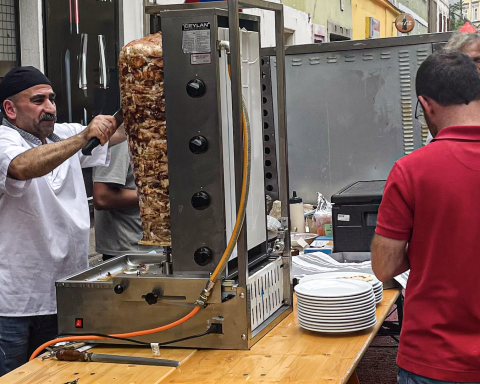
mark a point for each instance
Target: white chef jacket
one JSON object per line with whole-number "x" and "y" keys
{"x": 44, "y": 225}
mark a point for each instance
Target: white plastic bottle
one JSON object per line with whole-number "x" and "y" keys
{"x": 297, "y": 219}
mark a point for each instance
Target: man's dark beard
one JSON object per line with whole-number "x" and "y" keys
{"x": 48, "y": 117}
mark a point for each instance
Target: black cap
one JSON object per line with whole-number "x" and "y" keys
{"x": 20, "y": 79}
{"x": 295, "y": 199}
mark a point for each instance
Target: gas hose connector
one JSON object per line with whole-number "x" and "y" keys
{"x": 202, "y": 300}
{"x": 223, "y": 45}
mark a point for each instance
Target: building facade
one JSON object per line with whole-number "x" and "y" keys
{"x": 328, "y": 20}
{"x": 471, "y": 11}
{"x": 374, "y": 18}
{"x": 419, "y": 10}
{"x": 442, "y": 24}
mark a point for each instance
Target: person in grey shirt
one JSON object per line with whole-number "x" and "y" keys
{"x": 117, "y": 214}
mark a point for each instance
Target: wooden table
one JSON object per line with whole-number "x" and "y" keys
{"x": 288, "y": 354}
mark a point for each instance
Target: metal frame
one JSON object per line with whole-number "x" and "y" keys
{"x": 270, "y": 146}
{"x": 16, "y": 4}
{"x": 361, "y": 44}
{"x": 233, "y": 19}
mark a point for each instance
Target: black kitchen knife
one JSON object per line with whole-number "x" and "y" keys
{"x": 95, "y": 142}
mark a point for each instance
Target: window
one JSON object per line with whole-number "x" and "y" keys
{"x": 289, "y": 38}
{"x": 9, "y": 39}
{"x": 475, "y": 14}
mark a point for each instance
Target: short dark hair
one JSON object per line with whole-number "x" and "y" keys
{"x": 449, "y": 78}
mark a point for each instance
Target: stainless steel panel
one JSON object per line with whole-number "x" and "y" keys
{"x": 170, "y": 289}
{"x": 190, "y": 173}
{"x": 346, "y": 119}
{"x": 90, "y": 296}
{"x": 270, "y": 323}
{"x": 270, "y": 148}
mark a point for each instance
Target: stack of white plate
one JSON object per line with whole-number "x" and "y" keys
{"x": 335, "y": 305}
{"x": 376, "y": 284}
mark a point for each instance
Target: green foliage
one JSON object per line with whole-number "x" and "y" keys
{"x": 456, "y": 16}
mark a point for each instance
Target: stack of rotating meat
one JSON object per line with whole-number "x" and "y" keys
{"x": 143, "y": 103}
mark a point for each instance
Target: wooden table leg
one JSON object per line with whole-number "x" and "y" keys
{"x": 353, "y": 379}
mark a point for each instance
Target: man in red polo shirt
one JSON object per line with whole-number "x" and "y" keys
{"x": 429, "y": 222}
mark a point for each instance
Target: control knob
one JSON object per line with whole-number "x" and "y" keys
{"x": 196, "y": 88}
{"x": 200, "y": 201}
{"x": 151, "y": 298}
{"x": 198, "y": 145}
{"x": 119, "y": 289}
{"x": 203, "y": 256}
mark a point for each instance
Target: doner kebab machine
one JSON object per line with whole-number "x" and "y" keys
{"x": 214, "y": 128}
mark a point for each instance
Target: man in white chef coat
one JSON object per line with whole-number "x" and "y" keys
{"x": 44, "y": 215}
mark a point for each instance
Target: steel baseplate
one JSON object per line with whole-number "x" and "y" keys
{"x": 111, "y": 299}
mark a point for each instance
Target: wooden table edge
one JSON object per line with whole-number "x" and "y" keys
{"x": 371, "y": 336}
{"x": 351, "y": 370}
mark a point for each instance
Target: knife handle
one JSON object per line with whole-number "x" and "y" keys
{"x": 71, "y": 355}
{"x": 91, "y": 145}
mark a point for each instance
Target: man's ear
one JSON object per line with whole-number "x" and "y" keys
{"x": 9, "y": 109}
{"x": 428, "y": 105}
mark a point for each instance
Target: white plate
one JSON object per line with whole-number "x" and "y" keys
{"x": 345, "y": 330}
{"x": 365, "y": 320}
{"x": 312, "y": 324}
{"x": 355, "y": 307}
{"x": 336, "y": 303}
{"x": 343, "y": 307}
{"x": 340, "y": 275}
{"x": 327, "y": 315}
{"x": 346, "y": 312}
{"x": 336, "y": 325}
{"x": 339, "y": 319}
{"x": 333, "y": 289}
{"x": 312, "y": 311}
{"x": 342, "y": 299}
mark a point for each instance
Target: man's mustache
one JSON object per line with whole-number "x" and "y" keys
{"x": 48, "y": 117}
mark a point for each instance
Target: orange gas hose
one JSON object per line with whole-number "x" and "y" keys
{"x": 240, "y": 215}
{"x": 243, "y": 197}
{"x": 130, "y": 334}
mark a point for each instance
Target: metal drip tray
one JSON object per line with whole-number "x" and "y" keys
{"x": 138, "y": 264}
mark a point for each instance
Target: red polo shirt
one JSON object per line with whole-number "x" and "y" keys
{"x": 432, "y": 199}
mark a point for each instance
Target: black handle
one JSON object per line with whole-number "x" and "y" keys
{"x": 91, "y": 145}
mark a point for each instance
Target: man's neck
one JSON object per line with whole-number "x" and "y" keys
{"x": 14, "y": 122}
{"x": 461, "y": 115}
